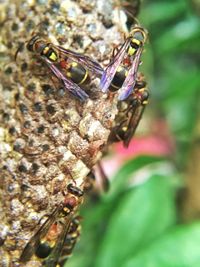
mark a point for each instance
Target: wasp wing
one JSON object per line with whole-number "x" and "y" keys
{"x": 91, "y": 64}
{"x": 111, "y": 69}
{"x": 130, "y": 81}
{"x": 135, "y": 118}
{"x": 53, "y": 258}
{"x": 72, "y": 87}
{"x": 70, "y": 240}
{"x": 35, "y": 240}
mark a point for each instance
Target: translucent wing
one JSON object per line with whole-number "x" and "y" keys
{"x": 70, "y": 240}
{"x": 53, "y": 258}
{"x": 111, "y": 69}
{"x": 130, "y": 81}
{"x": 33, "y": 243}
{"x": 91, "y": 64}
{"x": 72, "y": 87}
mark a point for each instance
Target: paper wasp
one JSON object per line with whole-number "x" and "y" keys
{"x": 70, "y": 242}
{"x": 121, "y": 73}
{"x": 69, "y": 67}
{"x": 130, "y": 113}
{"x": 51, "y": 237}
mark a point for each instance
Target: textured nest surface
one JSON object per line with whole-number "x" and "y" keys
{"x": 47, "y": 137}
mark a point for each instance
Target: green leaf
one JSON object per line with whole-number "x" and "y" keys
{"x": 158, "y": 13}
{"x": 183, "y": 35}
{"x": 96, "y": 214}
{"x": 142, "y": 214}
{"x": 123, "y": 175}
{"x": 182, "y": 102}
{"x": 179, "y": 248}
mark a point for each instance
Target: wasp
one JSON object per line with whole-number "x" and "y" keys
{"x": 48, "y": 242}
{"x": 71, "y": 240}
{"x": 130, "y": 113}
{"x": 121, "y": 73}
{"x": 69, "y": 67}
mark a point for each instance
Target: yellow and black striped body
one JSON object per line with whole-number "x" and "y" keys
{"x": 118, "y": 79}
{"x": 77, "y": 73}
{"x": 138, "y": 38}
{"x": 136, "y": 42}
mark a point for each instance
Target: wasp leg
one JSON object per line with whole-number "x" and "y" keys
{"x": 130, "y": 117}
{"x": 140, "y": 100}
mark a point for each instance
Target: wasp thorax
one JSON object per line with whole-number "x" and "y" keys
{"x": 70, "y": 204}
{"x": 47, "y": 51}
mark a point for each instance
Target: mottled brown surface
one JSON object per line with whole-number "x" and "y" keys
{"x": 47, "y": 137}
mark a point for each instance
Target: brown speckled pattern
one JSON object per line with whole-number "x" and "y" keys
{"x": 47, "y": 137}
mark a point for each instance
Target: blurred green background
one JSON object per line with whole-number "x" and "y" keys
{"x": 154, "y": 222}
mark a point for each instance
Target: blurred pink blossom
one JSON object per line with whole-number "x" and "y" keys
{"x": 159, "y": 142}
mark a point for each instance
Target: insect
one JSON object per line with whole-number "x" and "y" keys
{"x": 69, "y": 67}
{"x": 121, "y": 73}
{"x": 130, "y": 114}
{"x": 71, "y": 239}
{"x": 51, "y": 237}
